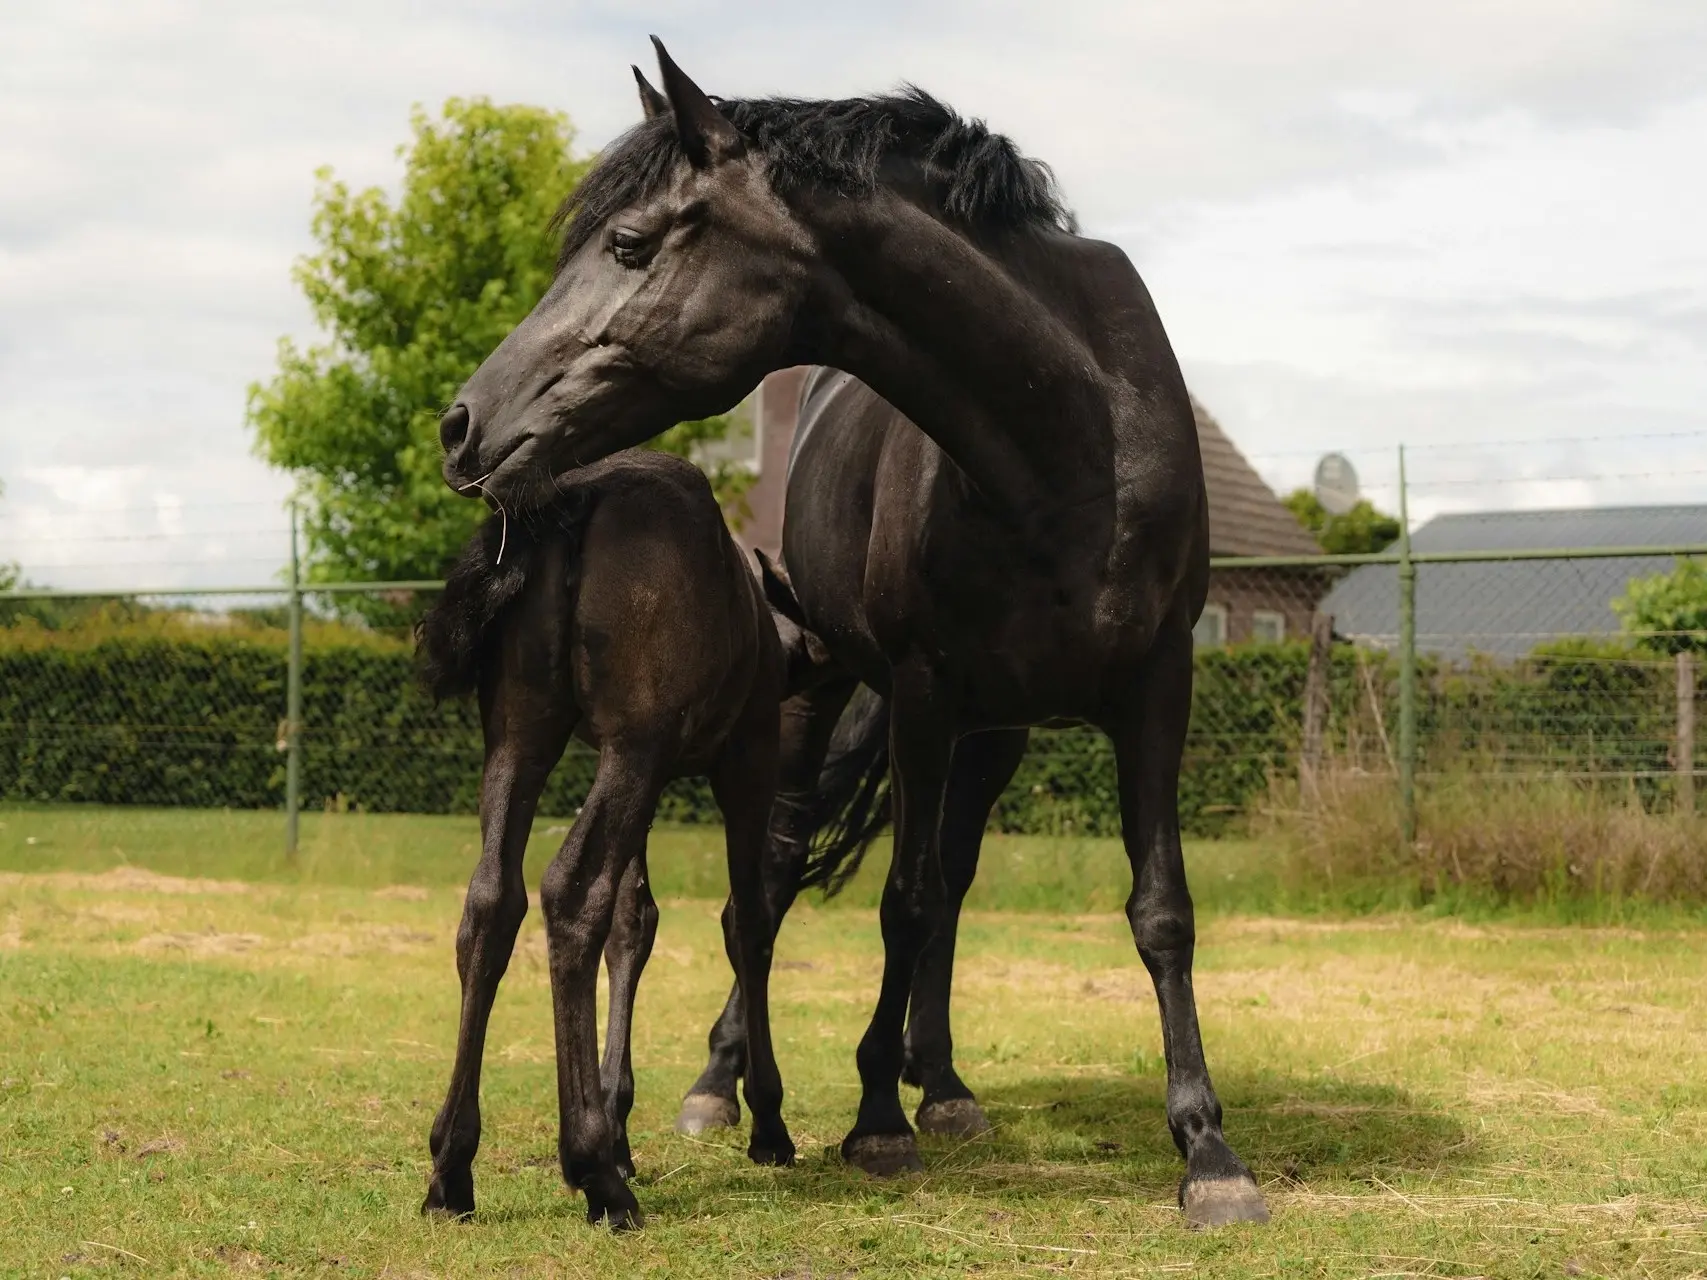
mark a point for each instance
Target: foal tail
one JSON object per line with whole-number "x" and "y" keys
{"x": 850, "y": 807}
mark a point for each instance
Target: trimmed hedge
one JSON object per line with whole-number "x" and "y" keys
{"x": 167, "y": 712}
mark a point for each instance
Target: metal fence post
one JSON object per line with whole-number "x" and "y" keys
{"x": 293, "y": 701}
{"x": 1315, "y": 704}
{"x": 1685, "y": 762}
{"x": 1407, "y": 668}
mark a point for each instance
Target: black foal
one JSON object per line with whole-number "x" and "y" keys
{"x": 622, "y": 613}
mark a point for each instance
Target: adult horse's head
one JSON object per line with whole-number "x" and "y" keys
{"x": 680, "y": 278}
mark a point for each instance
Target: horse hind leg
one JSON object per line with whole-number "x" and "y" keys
{"x": 744, "y": 784}
{"x": 633, "y": 931}
{"x": 1148, "y": 740}
{"x": 921, "y": 740}
{"x": 983, "y": 766}
{"x": 808, "y": 721}
{"x": 578, "y": 894}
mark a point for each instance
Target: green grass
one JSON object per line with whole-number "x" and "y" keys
{"x": 1017, "y": 873}
{"x": 239, "y": 1077}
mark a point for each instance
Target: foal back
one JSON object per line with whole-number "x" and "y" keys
{"x": 669, "y": 636}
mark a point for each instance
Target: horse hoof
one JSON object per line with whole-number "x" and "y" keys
{"x": 611, "y": 1202}
{"x": 883, "y": 1155}
{"x": 955, "y": 1117}
{"x": 453, "y": 1206}
{"x": 1215, "y": 1202}
{"x": 778, "y": 1155}
{"x": 702, "y": 1111}
{"x": 770, "y": 1144}
{"x": 617, "y": 1216}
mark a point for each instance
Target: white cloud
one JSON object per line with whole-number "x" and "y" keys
{"x": 1363, "y": 222}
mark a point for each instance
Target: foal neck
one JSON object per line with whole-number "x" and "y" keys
{"x": 969, "y": 340}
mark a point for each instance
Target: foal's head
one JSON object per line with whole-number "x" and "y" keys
{"x": 691, "y": 268}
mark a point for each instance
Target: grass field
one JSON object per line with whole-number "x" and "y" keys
{"x": 236, "y": 1072}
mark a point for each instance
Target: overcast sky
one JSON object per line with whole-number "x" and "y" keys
{"x": 1472, "y": 227}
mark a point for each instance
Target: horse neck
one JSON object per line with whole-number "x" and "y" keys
{"x": 979, "y": 354}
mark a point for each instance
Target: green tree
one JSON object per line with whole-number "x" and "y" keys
{"x": 412, "y": 295}
{"x": 1361, "y": 531}
{"x": 1667, "y": 611}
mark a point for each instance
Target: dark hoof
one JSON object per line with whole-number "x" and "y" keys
{"x": 1215, "y": 1202}
{"x": 449, "y": 1197}
{"x": 883, "y": 1155}
{"x": 702, "y": 1111}
{"x": 772, "y": 1150}
{"x": 609, "y": 1201}
{"x": 955, "y": 1117}
{"x": 617, "y": 1216}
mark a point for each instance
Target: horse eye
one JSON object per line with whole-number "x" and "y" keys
{"x": 627, "y": 246}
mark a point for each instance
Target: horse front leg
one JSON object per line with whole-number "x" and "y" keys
{"x": 578, "y": 895}
{"x": 520, "y": 753}
{"x": 983, "y": 766}
{"x": 1149, "y": 737}
{"x": 921, "y": 744}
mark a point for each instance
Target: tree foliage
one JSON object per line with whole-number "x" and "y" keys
{"x": 1668, "y": 611}
{"x": 411, "y": 296}
{"x": 1361, "y": 531}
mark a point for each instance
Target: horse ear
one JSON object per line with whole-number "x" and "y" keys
{"x": 779, "y": 592}
{"x": 652, "y": 103}
{"x": 707, "y": 138}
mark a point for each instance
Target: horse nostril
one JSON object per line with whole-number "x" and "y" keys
{"x": 453, "y": 427}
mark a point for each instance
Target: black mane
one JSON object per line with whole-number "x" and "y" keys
{"x": 840, "y": 144}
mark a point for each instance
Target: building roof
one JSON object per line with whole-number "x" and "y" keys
{"x": 1506, "y": 609}
{"x": 1245, "y": 516}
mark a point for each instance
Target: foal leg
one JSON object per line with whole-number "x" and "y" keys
{"x": 744, "y": 784}
{"x": 521, "y": 750}
{"x": 1148, "y": 739}
{"x": 578, "y": 894}
{"x": 921, "y": 741}
{"x": 808, "y": 720}
{"x": 983, "y": 766}
{"x": 626, "y": 951}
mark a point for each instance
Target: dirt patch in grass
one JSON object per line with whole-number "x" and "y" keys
{"x": 393, "y": 938}
{"x": 402, "y": 893}
{"x": 201, "y": 944}
{"x": 124, "y": 880}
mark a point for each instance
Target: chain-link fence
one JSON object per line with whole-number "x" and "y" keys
{"x": 1513, "y": 664}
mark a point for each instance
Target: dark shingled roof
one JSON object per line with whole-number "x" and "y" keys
{"x": 1507, "y": 609}
{"x": 1245, "y": 516}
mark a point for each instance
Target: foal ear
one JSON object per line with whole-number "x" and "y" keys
{"x": 707, "y": 138}
{"x": 779, "y": 592}
{"x": 652, "y": 103}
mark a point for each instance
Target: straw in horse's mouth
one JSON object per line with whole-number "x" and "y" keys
{"x": 503, "y": 533}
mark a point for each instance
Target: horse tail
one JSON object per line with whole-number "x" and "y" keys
{"x": 850, "y": 806}
{"x": 452, "y": 638}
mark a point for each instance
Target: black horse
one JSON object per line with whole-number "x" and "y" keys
{"x": 621, "y": 612}
{"x": 1034, "y": 550}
